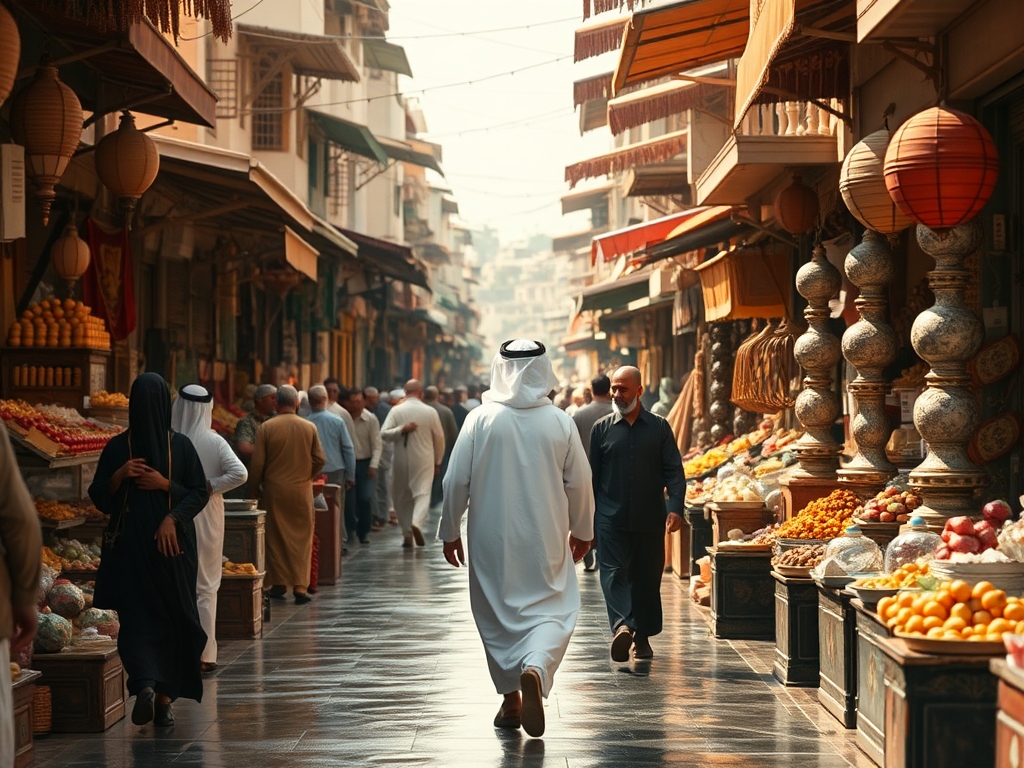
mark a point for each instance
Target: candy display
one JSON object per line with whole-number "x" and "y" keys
{"x": 104, "y": 399}
{"x": 768, "y": 467}
{"x": 58, "y": 323}
{"x": 74, "y": 438}
{"x": 738, "y": 487}
{"x": 104, "y": 621}
{"x": 53, "y": 634}
{"x": 65, "y": 599}
{"x": 764, "y": 535}
{"x": 76, "y": 555}
{"x": 699, "y": 491}
{"x": 55, "y": 510}
{"x": 705, "y": 463}
{"x": 780, "y": 440}
{"x": 822, "y": 519}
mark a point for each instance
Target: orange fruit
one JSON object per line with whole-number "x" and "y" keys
{"x": 905, "y": 599}
{"x": 903, "y": 615}
{"x": 977, "y": 638}
{"x": 993, "y": 638}
{"x": 945, "y": 598}
{"x": 919, "y": 603}
{"x": 884, "y": 604}
{"x": 935, "y": 632}
{"x": 967, "y": 632}
{"x": 994, "y": 598}
{"x": 915, "y": 624}
{"x": 892, "y": 610}
{"x": 931, "y": 622}
{"x": 998, "y": 626}
{"x": 955, "y": 623}
{"x": 935, "y": 608}
{"x": 981, "y": 588}
{"x": 975, "y": 604}
{"x": 961, "y": 611}
{"x": 983, "y": 618}
{"x": 951, "y": 635}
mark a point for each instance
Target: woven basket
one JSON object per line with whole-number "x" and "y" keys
{"x": 42, "y": 711}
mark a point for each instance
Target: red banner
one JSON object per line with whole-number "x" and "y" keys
{"x": 107, "y": 283}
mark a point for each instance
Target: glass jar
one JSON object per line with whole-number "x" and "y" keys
{"x": 854, "y": 552}
{"x": 914, "y": 544}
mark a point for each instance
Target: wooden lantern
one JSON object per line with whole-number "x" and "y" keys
{"x": 10, "y": 53}
{"x": 941, "y": 167}
{"x": 127, "y": 163}
{"x": 46, "y": 119}
{"x": 796, "y": 207}
{"x": 70, "y": 255}
{"x": 862, "y": 185}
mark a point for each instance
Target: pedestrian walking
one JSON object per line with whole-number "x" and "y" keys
{"x": 288, "y": 456}
{"x": 530, "y": 517}
{"x": 382, "y": 507}
{"x": 432, "y": 397}
{"x": 635, "y": 460}
{"x": 459, "y": 410}
{"x": 20, "y": 563}
{"x": 367, "y": 443}
{"x": 151, "y": 483}
{"x": 585, "y": 418}
{"x": 415, "y": 429}
{"x": 264, "y": 407}
{"x": 339, "y": 452}
{"x": 192, "y": 416}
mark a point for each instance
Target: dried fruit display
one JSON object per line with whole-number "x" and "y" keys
{"x": 54, "y": 510}
{"x": 955, "y": 611}
{"x": 65, "y": 599}
{"x": 704, "y": 464}
{"x": 699, "y": 491}
{"x": 53, "y": 634}
{"x": 780, "y": 440}
{"x": 889, "y": 506}
{"x": 822, "y": 519}
{"x": 764, "y": 535}
{"x": 768, "y": 467}
{"x": 807, "y": 556}
{"x": 59, "y": 323}
{"x": 73, "y": 437}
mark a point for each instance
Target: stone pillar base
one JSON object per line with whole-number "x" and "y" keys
{"x": 797, "y": 492}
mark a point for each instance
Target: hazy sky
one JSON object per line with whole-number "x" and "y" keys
{"x": 507, "y": 140}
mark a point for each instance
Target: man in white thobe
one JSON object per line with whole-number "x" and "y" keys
{"x": 415, "y": 430}
{"x": 531, "y": 516}
{"x": 192, "y": 416}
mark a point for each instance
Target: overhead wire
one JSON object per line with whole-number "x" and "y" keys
{"x": 207, "y": 34}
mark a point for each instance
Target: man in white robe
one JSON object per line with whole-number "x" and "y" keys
{"x": 531, "y": 516}
{"x": 414, "y": 428}
{"x": 192, "y": 416}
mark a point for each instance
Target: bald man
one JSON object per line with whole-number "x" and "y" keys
{"x": 415, "y": 430}
{"x": 634, "y": 460}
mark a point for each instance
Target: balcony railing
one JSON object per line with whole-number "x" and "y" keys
{"x": 791, "y": 118}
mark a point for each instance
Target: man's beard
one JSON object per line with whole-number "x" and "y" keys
{"x": 625, "y": 411}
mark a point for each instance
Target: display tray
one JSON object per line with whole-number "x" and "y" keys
{"x": 738, "y": 505}
{"x": 871, "y": 596}
{"x": 249, "y": 576}
{"x": 951, "y": 647}
{"x": 240, "y": 505}
{"x": 785, "y": 544}
{"x": 735, "y": 546}
{"x": 59, "y": 525}
{"x": 793, "y": 571}
{"x": 834, "y": 582}
{"x": 880, "y": 527}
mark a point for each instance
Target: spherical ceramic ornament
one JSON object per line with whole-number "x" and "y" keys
{"x": 862, "y": 185}
{"x": 796, "y": 208}
{"x": 941, "y": 167}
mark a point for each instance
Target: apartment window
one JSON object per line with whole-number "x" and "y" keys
{"x": 222, "y": 77}
{"x": 268, "y": 118}
{"x": 339, "y": 190}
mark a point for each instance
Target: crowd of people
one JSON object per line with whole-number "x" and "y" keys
{"x": 598, "y": 479}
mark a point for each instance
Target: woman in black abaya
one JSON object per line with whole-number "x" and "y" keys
{"x": 151, "y": 483}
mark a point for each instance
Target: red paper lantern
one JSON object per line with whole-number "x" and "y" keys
{"x": 796, "y": 207}
{"x": 941, "y": 167}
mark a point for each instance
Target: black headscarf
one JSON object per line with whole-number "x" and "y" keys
{"x": 149, "y": 420}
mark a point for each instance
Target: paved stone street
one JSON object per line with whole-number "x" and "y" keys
{"x": 387, "y": 669}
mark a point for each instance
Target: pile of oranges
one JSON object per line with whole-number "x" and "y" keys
{"x": 822, "y": 519}
{"x": 954, "y": 611}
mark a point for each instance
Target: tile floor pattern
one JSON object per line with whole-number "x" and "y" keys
{"x": 386, "y": 669}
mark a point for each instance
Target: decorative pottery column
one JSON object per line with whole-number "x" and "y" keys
{"x": 818, "y": 352}
{"x": 720, "y": 409}
{"x": 946, "y": 414}
{"x": 869, "y": 345}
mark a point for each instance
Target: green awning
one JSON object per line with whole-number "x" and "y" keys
{"x": 349, "y": 136}
{"x": 411, "y": 151}
{"x": 615, "y": 294}
{"x": 380, "y": 54}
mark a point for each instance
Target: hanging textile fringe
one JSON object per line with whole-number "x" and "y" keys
{"x": 603, "y": 6}
{"x": 656, "y": 151}
{"x": 622, "y": 117}
{"x": 592, "y": 89}
{"x": 598, "y": 39}
{"x": 165, "y": 15}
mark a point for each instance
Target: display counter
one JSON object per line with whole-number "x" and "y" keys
{"x": 742, "y": 595}
{"x": 87, "y": 688}
{"x": 837, "y": 644}
{"x": 796, "y": 631}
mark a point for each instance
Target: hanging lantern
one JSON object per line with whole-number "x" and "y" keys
{"x": 46, "y": 119}
{"x": 10, "y": 53}
{"x": 70, "y": 255}
{"x": 127, "y": 163}
{"x": 796, "y": 207}
{"x": 862, "y": 185}
{"x": 941, "y": 167}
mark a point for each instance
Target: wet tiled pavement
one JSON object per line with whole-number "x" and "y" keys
{"x": 386, "y": 669}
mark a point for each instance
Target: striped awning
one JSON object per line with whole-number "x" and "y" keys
{"x": 629, "y": 240}
{"x": 642, "y": 153}
{"x": 601, "y": 37}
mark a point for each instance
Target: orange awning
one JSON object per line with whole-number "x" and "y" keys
{"x": 623, "y": 242}
{"x": 669, "y": 39}
{"x": 642, "y": 153}
{"x": 602, "y": 37}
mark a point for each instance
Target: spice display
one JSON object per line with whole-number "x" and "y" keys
{"x": 801, "y": 557}
{"x": 54, "y": 561}
{"x": 54, "y": 510}
{"x": 58, "y": 323}
{"x": 104, "y": 399}
{"x": 77, "y": 556}
{"x": 823, "y": 518}
{"x": 955, "y": 611}
{"x": 73, "y": 437}
{"x": 704, "y": 464}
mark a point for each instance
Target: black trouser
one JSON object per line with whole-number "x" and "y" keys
{"x": 359, "y": 502}
{"x": 631, "y": 564}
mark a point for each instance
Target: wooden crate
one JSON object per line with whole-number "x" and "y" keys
{"x": 747, "y": 520}
{"x": 87, "y": 687}
{"x": 742, "y": 596}
{"x": 240, "y": 607}
{"x": 837, "y": 641}
{"x": 796, "y": 631}
{"x": 23, "y": 689}
{"x": 245, "y": 538}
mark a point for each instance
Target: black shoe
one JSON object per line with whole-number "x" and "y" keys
{"x": 621, "y": 643}
{"x": 143, "y": 711}
{"x": 276, "y": 595}
{"x": 164, "y": 716}
{"x": 364, "y": 541}
{"x": 642, "y": 648}
{"x": 301, "y": 598}
{"x": 311, "y": 590}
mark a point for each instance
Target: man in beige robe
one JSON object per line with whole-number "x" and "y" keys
{"x": 287, "y": 457}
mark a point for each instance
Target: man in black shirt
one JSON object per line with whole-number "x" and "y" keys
{"x": 634, "y": 459}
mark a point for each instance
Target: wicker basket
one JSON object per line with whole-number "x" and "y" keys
{"x": 42, "y": 711}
